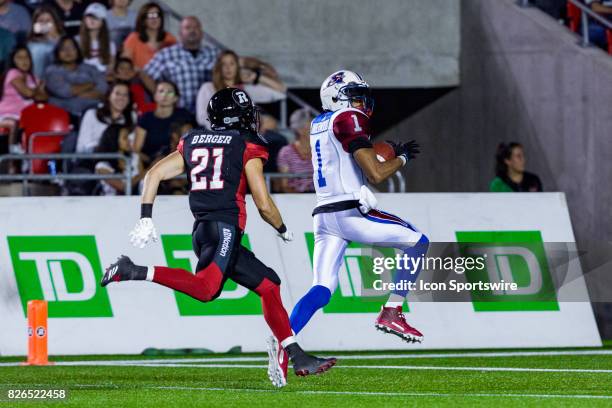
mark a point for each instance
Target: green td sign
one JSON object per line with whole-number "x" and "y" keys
{"x": 511, "y": 256}
{"x": 234, "y": 299}
{"x": 63, "y": 270}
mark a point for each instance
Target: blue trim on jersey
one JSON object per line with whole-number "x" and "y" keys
{"x": 323, "y": 117}
{"x": 320, "y": 179}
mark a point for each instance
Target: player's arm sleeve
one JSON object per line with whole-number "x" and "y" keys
{"x": 352, "y": 129}
{"x": 179, "y": 147}
{"x": 255, "y": 151}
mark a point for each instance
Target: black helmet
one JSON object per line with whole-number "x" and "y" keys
{"x": 232, "y": 108}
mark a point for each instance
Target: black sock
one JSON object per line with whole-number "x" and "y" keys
{"x": 294, "y": 350}
{"x": 140, "y": 272}
{"x": 136, "y": 272}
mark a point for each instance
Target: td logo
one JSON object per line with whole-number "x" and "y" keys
{"x": 63, "y": 270}
{"x": 233, "y": 300}
{"x": 355, "y": 279}
{"x": 514, "y": 257}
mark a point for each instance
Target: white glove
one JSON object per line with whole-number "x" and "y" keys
{"x": 367, "y": 200}
{"x": 286, "y": 236}
{"x": 143, "y": 232}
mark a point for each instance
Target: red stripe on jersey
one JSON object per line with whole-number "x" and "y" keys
{"x": 180, "y": 146}
{"x": 255, "y": 151}
{"x": 351, "y": 125}
{"x": 240, "y": 193}
{"x": 252, "y": 151}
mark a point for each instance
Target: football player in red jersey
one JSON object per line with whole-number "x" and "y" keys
{"x": 220, "y": 164}
{"x": 344, "y": 160}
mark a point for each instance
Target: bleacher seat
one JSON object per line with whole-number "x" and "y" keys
{"x": 44, "y": 127}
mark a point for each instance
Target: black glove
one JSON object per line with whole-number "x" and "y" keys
{"x": 407, "y": 150}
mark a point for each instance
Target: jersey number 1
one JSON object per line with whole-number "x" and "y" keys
{"x": 357, "y": 127}
{"x": 200, "y": 157}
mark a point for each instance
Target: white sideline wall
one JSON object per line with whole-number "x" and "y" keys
{"x": 56, "y": 248}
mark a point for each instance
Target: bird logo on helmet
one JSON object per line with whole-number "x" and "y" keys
{"x": 346, "y": 89}
{"x": 232, "y": 108}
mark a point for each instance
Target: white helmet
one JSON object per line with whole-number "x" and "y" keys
{"x": 341, "y": 88}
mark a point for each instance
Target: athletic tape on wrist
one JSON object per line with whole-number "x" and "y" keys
{"x": 146, "y": 211}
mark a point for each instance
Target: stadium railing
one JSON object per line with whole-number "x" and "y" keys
{"x": 394, "y": 184}
{"x": 64, "y": 174}
{"x": 586, "y": 14}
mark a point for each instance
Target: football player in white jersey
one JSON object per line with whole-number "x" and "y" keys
{"x": 343, "y": 160}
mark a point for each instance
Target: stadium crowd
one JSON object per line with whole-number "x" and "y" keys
{"x": 131, "y": 87}
{"x": 127, "y": 84}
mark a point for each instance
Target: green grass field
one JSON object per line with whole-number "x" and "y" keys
{"x": 577, "y": 377}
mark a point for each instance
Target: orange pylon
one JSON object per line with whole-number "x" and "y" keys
{"x": 37, "y": 333}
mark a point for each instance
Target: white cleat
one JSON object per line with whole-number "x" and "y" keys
{"x": 278, "y": 360}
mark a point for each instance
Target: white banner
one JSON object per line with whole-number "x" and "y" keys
{"x": 57, "y": 248}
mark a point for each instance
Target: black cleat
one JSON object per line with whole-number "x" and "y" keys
{"x": 122, "y": 270}
{"x": 311, "y": 365}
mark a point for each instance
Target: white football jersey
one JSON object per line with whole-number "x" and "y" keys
{"x": 334, "y": 137}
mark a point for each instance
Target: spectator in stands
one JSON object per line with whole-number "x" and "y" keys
{"x": 268, "y": 128}
{"x": 194, "y": 59}
{"x": 97, "y": 48}
{"x": 510, "y": 171}
{"x": 153, "y": 130}
{"x": 31, "y": 5}
{"x": 149, "y": 37}
{"x": 7, "y": 43}
{"x": 175, "y": 186}
{"x": 71, "y": 13}
{"x": 117, "y": 109}
{"x": 15, "y": 18}
{"x": 46, "y": 31}
{"x": 19, "y": 88}
{"x": 116, "y": 140}
{"x": 124, "y": 71}
{"x": 597, "y": 32}
{"x": 121, "y": 21}
{"x": 295, "y": 158}
{"x": 227, "y": 73}
{"x": 73, "y": 85}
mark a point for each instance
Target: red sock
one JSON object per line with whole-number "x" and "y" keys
{"x": 273, "y": 309}
{"x": 202, "y": 286}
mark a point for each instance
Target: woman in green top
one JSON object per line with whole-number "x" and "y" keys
{"x": 510, "y": 171}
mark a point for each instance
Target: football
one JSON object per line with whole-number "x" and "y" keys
{"x": 384, "y": 151}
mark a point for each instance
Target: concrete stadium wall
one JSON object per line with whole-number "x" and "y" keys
{"x": 397, "y": 43}
{"x": 523, "y": 78}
